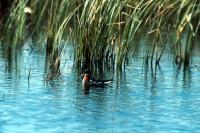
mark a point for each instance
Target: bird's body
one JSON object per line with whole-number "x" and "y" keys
{"x": 88, "y": 81}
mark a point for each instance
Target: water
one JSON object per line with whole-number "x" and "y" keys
{"x": 135, "y": 102}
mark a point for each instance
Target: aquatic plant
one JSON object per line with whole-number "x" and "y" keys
{"x": 13, "y": 32}
{"x": 103, "y": 32}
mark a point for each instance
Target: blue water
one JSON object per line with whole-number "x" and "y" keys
{"x": 133, "y": 102}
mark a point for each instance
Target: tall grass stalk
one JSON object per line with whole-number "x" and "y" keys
{"x": 104, "y": 31}
{"x": 13, "y": 32}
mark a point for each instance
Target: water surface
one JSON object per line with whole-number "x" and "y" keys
{"x": 133, "y": 102}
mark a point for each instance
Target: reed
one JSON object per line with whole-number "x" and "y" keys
{"x": 13, "y": 31}
{"x": 104, "y": 31}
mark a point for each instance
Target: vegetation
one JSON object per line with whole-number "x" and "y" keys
{"x": 103, "y": 32}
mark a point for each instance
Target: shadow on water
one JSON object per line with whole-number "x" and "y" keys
{"x": 152, "y": 78}
{"x": 92, "y": 107}
{"x": 187, "y": 78}
{"x": 184, "y": 74}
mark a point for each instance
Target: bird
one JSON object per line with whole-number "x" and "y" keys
{"x": 88, "y": 81}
